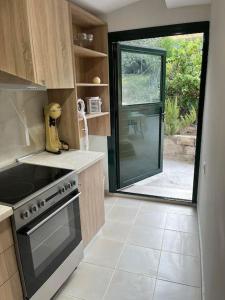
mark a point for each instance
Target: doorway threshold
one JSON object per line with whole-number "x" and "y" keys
{"x": 153, "y": 198}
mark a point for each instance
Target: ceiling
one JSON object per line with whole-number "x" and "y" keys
{"x": 181, "y": 3}
{"x": 107, "y": 6}
{"x": 104, "y": 6}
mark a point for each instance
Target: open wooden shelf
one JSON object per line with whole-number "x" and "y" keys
{"x": 90, "y": 84}
{"x": 85, "y": 52}
{"x": 83, "y": 18}
{"x": 97, "y": 115}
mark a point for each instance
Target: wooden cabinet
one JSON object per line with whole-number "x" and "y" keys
{"x": 91, "y": 185}
{"x": 10, "y": 286}
{"x": 36, "y": 41}
{"x": 51, "y": 42}
{"x": 15, "y": 49}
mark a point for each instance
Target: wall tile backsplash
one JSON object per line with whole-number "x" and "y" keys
{"x": 21, "y": 123}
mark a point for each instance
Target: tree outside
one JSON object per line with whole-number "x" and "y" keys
{"x": 184, "y": 59}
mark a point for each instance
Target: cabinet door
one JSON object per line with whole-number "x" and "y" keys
{"x": 91, "y": 185}
{"x": 51, "y": 42}
{"x": 15, "y": 49}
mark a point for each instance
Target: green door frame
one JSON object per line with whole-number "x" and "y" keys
{"x": 153, "y": 32}
{"x": 153, "y": 108}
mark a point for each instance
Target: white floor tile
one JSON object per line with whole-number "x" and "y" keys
{"x": 145, "y": 236}
{"x": 183, "y": 223}
{"x": 117, "y": 231}
{"x": 109, "y": 200}
{"x": 130, "y": 202}
{"x": 139, "y": 260}
{"x": 152, "y": 219}
{"x": 63, "y": 297}
{"x": 88, "y": 282}
{"x": 123, "y": 214}
{"x": 181, "y": 242}
{"x": 182, "y": 209}
{"x": 180, "y": 269}
{"x": 150, "y": 206}
{"x": 108, "y": 208}
{"x": 104, "y": 252}
{"x": 128, "y": 286}
{"x": 172, "y": 291}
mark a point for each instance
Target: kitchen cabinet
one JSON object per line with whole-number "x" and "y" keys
{"x": 10, "y": 286}
{"x": 91, "y": 185}
{"x": 36, "y": 41}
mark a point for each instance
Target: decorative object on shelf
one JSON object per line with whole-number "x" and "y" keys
{"x": 84, "y": 39}
{"x": 96, "y": 80}
{"x": 52, "y": 112}
{"x": 82, "y": 114}
{"x": 94, "y": 105}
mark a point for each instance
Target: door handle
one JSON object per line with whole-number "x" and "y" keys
{"x": 163, "y": 116}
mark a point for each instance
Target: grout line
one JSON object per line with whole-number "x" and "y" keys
{"x": 170, "y": 281}
{"x": 122, "y": 251}
{"x": 157, "y": 275}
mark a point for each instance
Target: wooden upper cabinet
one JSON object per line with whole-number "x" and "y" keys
{"x": 15, "y": 45}
{"x": 36, "y": 41}
{"x": 51, "y": 42}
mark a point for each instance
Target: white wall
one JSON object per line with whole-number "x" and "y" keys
{"x": 211, "y": 205}
{"x": 149, "y": 13}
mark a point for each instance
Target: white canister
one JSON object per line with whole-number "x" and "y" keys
{"x": 94, "y": 105}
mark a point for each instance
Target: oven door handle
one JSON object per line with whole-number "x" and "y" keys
{"x": 52, "y": 215}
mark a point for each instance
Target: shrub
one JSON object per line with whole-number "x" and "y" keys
{"x": 174, "y": 123}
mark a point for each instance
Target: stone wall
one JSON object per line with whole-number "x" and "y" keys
{"x": 180, "y": 147}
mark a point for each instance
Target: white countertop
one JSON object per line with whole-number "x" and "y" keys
{"x": 77, "y": 160}
{"x": 5, "y": 212}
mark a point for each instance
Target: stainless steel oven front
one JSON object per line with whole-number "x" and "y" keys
{"x": 50, "y": 247}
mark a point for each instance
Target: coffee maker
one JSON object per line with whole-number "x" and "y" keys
{"x": 52, "y": 112}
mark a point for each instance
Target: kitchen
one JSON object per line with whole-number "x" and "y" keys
{"x": 63, "y": 235}
{"x": 52, "y": 203}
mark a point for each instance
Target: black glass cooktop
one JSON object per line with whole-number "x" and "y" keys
{"x": 22, "y": 180}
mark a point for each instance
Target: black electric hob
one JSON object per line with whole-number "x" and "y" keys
{"x": 22, "y": 180}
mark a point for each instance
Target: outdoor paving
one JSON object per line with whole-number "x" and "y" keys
{"x": 176, "y": 181}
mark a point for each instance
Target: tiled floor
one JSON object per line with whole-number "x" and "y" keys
{"x": 176, "y": 181}
{"x": 145, "y": 251}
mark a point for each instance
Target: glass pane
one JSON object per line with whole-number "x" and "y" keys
{"x": 141, "y": 78}
{"x": 139, "y": 144}
{"x": 48, "y": 241}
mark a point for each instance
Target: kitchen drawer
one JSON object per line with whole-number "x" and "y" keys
{"x": 6, "y": 238}
{"x": 8, "y": 264}
{"x": 11, "y": 290}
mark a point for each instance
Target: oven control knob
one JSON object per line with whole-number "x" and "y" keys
{"x": 41, "y": 203}
{"x": 69, "y": 185}
{"x": 62, "y": 190}
{"x": 34, "y": 208}
{"x": 25, "y": 214}
{"x": 73, "y": 183}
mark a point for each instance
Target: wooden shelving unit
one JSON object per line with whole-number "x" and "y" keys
{"x": 89, "y": 63}
{"x": 85, "y": 52}
{"x": 97, "y": 115}
{"x": 91, "y": 84}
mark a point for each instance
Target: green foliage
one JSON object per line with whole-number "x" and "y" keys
{"x": 183, "y": 73}
{"x": 174, "y": 123}
{"x": 184, "y": 58}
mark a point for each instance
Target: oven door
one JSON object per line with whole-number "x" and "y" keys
{"x": 47, "y": 241}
